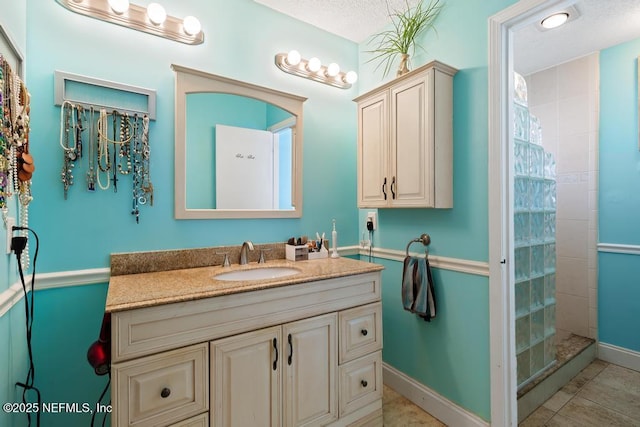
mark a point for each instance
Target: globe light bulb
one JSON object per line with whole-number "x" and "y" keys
{"x": 333, "y": 69}
{"x": 119, "y": 6}
{"x": 156, "y": 13}
{"x": 351, "y": 77}
{"x": 293, "y": 57}
{"x": 314, "y": 65}
{"x": 191, "y": 25}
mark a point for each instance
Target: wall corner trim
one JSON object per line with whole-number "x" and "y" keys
{"x": 440, "y": 407}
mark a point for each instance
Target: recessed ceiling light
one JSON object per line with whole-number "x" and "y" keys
{"x": 555, "y": 20}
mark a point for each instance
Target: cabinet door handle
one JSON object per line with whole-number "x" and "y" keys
{"x": 290, "y": 350}
{"x": 165, "y": 392}
{"x": 393, "y": 188}
{"x": 275, "y": 347}
{"x": 364, "y": 332}
{"x": 364, "y": 383}
{"x": 384, "y": 188}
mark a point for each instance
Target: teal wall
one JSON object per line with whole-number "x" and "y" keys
{"x": 13, "y": 350}
{"x": 450, "y": 354}
{"x": 619, "y": 199}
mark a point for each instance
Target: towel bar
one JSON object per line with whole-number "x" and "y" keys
{"x": 425, "y": 239}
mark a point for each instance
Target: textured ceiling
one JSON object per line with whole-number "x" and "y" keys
{"x": 602, "y": 23}
{"x": 355, "y": 20}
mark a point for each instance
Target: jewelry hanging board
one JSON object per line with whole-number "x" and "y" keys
{"x": 90, "y": 91}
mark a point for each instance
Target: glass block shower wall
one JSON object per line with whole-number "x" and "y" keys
{"x": 535, "y": 248}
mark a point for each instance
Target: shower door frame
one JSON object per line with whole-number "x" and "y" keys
{"x": 501, "y": 238}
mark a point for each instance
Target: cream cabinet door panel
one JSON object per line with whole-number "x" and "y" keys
{"x": 373, "y": 155}
{"x": 411, "y": 143}
{"x": 245, "y": 379}
{"x": 310, "y": 386}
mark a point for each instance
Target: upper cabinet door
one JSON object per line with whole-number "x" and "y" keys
{"x": 411, "y": 143}
{"x": 373, "y": 151}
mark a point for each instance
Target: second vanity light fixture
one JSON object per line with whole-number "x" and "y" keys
{"x": 313, "y": 69}
{"x": 152, "y": 19}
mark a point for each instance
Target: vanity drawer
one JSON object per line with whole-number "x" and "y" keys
{"x": 360, "y": 383}
{"x": 201, "y": 420}
{"x": 161, "y": 389}
{"x": 360, "y": 331}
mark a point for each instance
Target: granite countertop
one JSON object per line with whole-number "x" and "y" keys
{"x": 138, "y": 290}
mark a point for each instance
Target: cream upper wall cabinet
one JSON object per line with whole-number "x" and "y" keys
{"x": 405, "y": 141}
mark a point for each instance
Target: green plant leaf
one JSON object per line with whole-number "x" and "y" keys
{"x": 407, "y": 25}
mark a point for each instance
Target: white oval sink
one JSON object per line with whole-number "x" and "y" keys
{"x": 257, "y": 273}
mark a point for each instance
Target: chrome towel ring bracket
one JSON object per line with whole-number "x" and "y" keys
{"x": 425, "y": 239}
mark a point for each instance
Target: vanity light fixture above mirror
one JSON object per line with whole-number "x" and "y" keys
{"x": 313, "y": 69}
{"x": 152, "y": 19}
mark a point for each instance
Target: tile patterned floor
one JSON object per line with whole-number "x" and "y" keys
{"x": 601, "y": 395}
{"x": 397, "y": 411}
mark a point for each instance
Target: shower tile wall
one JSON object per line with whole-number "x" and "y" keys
{"x": 566, "y": 101}
{"x": 534, "y": 239}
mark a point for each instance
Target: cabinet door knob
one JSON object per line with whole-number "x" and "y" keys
{"x": 364, "y": 383}
{"x": 165, "y": 392}
{"x": 364, "y": 332}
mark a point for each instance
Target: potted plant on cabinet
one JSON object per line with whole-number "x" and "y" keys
{"x": 400, "y": 39}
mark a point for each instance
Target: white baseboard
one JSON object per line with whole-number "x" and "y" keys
{"x": 619, "y": 356}
{"x": 440, "y": 407}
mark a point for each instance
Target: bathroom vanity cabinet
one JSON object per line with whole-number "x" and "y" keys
{"x": 302, "y": 354}
{"x": 405, "y": 141}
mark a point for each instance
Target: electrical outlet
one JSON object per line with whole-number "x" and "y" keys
{"x": 9, "y": 225}
{"x": 373, "y": 217}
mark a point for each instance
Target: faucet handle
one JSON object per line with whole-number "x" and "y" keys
{"x": 226, "y": 262}
{"x": 262, "y": 259}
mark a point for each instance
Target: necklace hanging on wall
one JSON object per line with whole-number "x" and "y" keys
{"x": 67, "y": 131}
{"x": 125, "y": 145}
{"x": 103, "y": 150}
{"x": 91, "y": 171}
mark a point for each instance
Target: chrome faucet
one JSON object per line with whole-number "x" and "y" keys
{"x": 246, "y": 246}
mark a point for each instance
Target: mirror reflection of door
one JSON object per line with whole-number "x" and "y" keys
{"x": 239, "y": 153}
{"x": 245, "y": 169}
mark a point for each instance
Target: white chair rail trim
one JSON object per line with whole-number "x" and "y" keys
{"x": 62, "y": 279}
{"x": 15, "y": 293}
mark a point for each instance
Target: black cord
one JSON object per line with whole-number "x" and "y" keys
{"x": 28, "y": 306}
{"x": 370, "y": 245}
{"x": 93, "y": 417}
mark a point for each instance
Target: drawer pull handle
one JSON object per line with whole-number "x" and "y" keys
{"x": 289, "y": 360}
{"x": 364, "y": 383}
{"x": 364, "y": 332}
{"x": 165, "y": 392}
